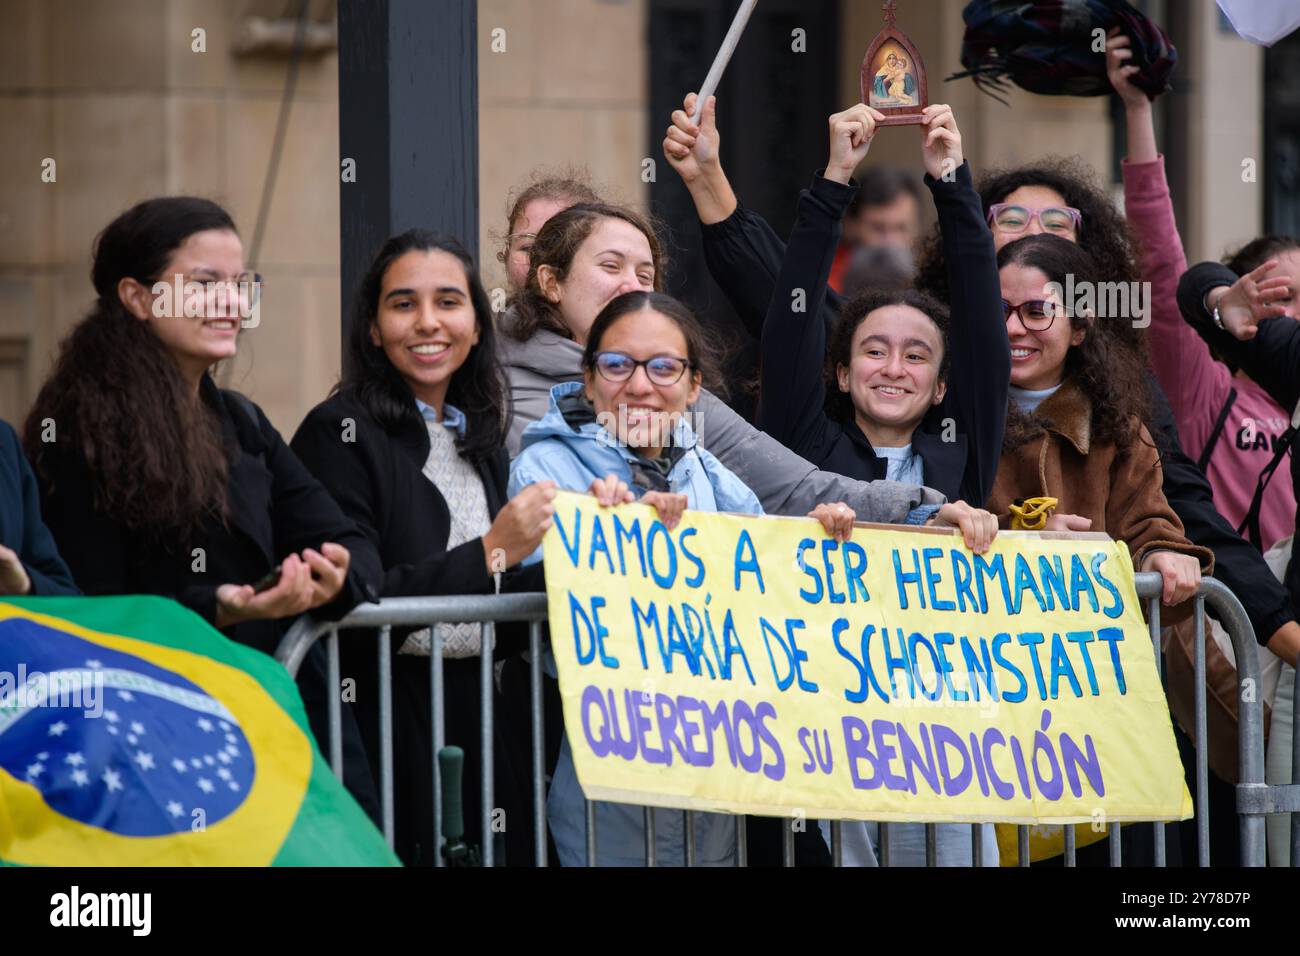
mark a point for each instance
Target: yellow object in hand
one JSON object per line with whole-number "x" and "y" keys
{"x": 1031, "y": 514}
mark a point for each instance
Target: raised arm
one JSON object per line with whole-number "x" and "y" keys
{"x": 980, "y": 372}
{"x": 1196, "y": 384}
{"x": 741, "y": 249}
{"x": 794, "y": 336}
{"x": 1257, "y": 335}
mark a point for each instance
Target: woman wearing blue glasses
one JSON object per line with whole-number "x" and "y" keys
{"x": 623, "y": 433}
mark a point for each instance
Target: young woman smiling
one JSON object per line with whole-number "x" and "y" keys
{"x": 1064, "y": 439}
{"x": 584, "y": 258}
{"x": 902, "y": 409}
{"x": 622, "y": 433}
{"x": 155, "y": 481}
{"x": 410, "y": 445}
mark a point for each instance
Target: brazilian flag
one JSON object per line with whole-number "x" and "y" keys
{"x": 134, "y": 734}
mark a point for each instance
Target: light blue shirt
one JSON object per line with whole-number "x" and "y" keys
{"x": 1028, "y": 399}
{"x": 903, "y": 466}
{"x": 452, "y": 416}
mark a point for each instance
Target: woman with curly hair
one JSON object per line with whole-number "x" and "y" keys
{"x": 1075, "y": 427}
{"x": 1037, "y": 198}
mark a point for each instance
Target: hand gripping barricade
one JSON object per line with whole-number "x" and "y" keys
{"x": 1255, "y": 799}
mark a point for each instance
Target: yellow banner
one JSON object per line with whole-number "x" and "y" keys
{"x": 754, "y": 665}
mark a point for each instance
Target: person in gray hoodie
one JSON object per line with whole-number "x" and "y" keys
{"x": 589, "y": 254}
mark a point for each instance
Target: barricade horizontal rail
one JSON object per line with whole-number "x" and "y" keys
{"x": 1253, "y": 796}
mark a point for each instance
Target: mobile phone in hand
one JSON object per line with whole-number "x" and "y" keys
{"x": 271, "y": 579}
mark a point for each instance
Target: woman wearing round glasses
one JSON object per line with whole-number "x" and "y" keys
{"x": 1016, "y": 219}
{"x": 624, "y": 427}
{"x": 1074, "y": 428}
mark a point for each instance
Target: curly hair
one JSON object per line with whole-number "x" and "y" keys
{"x": 1102, "y": 365}
{"x": 155, "y": 453}
{"x": 556, "y": 245}
{"x": 839, "y": 406}
{"x": 1103, "y": 231}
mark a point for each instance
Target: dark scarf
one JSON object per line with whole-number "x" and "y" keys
{"x": 648, "y": 473}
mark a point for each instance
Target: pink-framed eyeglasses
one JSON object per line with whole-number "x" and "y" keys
{"x": 1057, "y": 220}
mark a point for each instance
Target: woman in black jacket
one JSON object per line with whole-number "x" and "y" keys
{"x": 29, "y": 559}
{"x": 411, "y": 445}
{"x": 920, "y": 398}
{"x": 153, "y": 480}
{"x": 744, "y": 255}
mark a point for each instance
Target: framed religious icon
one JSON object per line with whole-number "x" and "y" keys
{"x": 893, "y": 75}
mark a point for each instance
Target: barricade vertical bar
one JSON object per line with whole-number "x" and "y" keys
{"x": 1295, "y": 771}
{"x": 787, "y": 842}
{"x": 689, "y": 848}
{"x": 1153, "y": 615}
{"x": 931, "y": 845}
{"x": 837, "y": 843}
{"x": 1250, "y": 713}
{"x": 335, "y": 703}
{"x": 386, "y": 729}
{"x": 539, "y": 749}
{"x": 742, "y": 837}
{"x": 1022, "y": 845}
{"x": 439, "y": 735}
{"x": 884, "y": 844}
{"x": 649, "y": 836}
{"x": 1116, "y": 857}
{"x": 591, "y": 833}
{"x": 1069, "y": 845}
{"x": 485, "y": 688}
{"x": 977, "y": 844}
{"x": 1202, "y": 742}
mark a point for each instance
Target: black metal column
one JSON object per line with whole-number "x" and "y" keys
{"x": 408, "y": 120}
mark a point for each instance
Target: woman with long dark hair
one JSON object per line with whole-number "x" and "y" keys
{"x": 411, "y": 445}
{"x": 154, "y": 480}
{"x": 1075, "y": 427}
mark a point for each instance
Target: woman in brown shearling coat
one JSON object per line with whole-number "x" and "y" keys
{"x": 1074, "y": 427}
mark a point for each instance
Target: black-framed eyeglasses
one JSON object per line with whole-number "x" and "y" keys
{"x": 661, "y": 370}
{"x": 1037, "y": 315}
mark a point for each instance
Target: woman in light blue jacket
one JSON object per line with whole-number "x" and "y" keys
{"x": 623, "y": 434}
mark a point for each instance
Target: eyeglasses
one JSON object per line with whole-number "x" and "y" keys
{"x": 661, "y": 370}
{"x": 1058, "y": 220}
{"x": 1037, "y": 315}
{"x": 511, "y": 246}
{"x": 247, "y": 285}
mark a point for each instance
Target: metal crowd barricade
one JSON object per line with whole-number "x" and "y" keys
{"x": 1255, "y": 798}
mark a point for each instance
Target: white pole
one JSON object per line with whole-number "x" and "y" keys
{"x": 729, "y": 44}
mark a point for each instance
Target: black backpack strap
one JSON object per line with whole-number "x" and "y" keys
{"x": 1250, "y": 523}
{"x": 1217, "y": 431}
